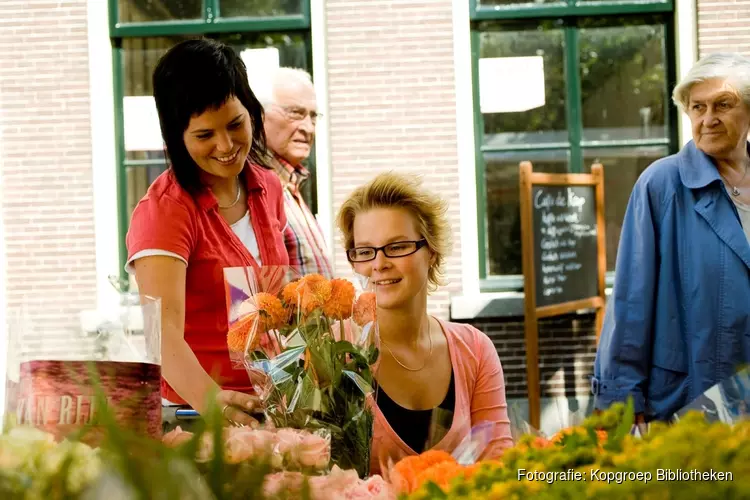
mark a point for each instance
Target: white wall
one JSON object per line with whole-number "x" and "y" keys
{"x": 103, "y": 159}
{"x": 3, "y": 310}
{"x": 686, "y": 30}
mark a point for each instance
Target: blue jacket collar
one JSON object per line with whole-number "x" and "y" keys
{"x": 697, "y": 170}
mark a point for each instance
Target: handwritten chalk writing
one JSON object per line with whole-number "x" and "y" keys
{"x": 548, "y": 244}
{"x": 575, "y": 201}
{"x": 553, "y": 269}
{"x": 551, "y": 280}
{"x": 543, "y": 199}
{"x": 549, "y": 218}
{"x": 550, "y": 257}
{"x": 546, "y": 200}
{"x": 565, "y": 228}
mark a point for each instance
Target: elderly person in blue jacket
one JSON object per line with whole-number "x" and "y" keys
{"x": 679, "y": 318}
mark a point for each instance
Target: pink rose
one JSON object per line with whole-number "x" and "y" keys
{"x": 374, "y": 488}
{"x": 337, "y": 483}
{"x": 243, "y": 443}
{"x": 315, "y": 451}
{"x": 288, "y": 442}
{"x": 282, "y": 484}
{"x": 205, "y": 448}
{"x": 176, "y": 437}
{"x": 379, "y": 489}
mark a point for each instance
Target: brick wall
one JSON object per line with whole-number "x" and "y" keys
{"x": 723, "y": 25}
{"x": 567, "y": 348}
{"x": 45, "y": 161}
{"x": 392, "y": 103}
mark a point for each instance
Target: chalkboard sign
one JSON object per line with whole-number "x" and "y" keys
{"x": 564, "y": 255}
{"x": 565, "y": 243}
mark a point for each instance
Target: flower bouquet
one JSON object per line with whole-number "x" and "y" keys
{"x": 338, "y": 485}
{"x": 439, "y": 466}
{"x": 284, "y": 449}
{"x": 308, "y": 345}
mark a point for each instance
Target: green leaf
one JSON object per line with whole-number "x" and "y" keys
{"x": 322, "y": 362}
{"x": 434, "y": 491}
{"x": 614, "y": 441}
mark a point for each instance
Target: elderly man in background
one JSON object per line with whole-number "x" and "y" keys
{"x": 290, "y": 116}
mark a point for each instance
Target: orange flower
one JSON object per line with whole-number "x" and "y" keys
{"x": 364, "y": 308}
{"x": 601, "y": 437}
{"x": 339, "y": 306}
{"x": 432, "y": 457}
{"x": 314, "y": 291}
{"x": 406, "y": 473}
{"x": 267, "y": 313}
{"x": 540, "y": 443}
{"x": 441, "y": 474}
{"x": 289, "y": 294}
{"x": 470, "y": 470}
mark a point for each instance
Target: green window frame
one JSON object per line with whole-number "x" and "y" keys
{"x": 569, "y": 14}
{"x": 211, "y": 24}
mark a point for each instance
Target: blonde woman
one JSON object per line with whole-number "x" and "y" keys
{"x": 435, "y": 379}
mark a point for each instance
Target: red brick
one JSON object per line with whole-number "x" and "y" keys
{"x": 47, "y": 200}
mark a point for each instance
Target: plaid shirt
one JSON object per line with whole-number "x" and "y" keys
{"x": 303, "y": 236}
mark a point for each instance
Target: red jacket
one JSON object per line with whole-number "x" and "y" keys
{"x": 169, "y": 218}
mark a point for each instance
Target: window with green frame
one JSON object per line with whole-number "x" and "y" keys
{"x": 565, "y": 84}
{"x": 142, "y": 31}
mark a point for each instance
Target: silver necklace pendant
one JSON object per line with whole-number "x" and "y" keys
{"x": 735, "y": 191}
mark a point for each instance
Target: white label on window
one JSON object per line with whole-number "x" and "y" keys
{"x": 260, "y": 64}
{"x": 142, "y": 132}
{"x": 511, "y": 84}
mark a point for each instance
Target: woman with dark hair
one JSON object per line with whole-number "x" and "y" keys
{"x": 217, "y": 206}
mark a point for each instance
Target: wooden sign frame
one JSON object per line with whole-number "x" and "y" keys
{"x": 527, "y": 180}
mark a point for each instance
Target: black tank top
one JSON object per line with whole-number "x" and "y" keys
{"x": 419, "y": 428}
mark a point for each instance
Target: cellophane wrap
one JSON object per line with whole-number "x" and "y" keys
{"x": 308, "y": 345}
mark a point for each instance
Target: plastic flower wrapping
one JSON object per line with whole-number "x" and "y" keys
{"x": 308, "y": 345}
{"x": 728, "y": 401}
{"x": 438, "y": 466}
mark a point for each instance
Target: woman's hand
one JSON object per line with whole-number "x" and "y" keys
{"x": 237, "y": 406}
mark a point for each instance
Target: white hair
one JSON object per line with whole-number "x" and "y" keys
{"x": 731, "y": 67}
{"x": 266, "y": 94}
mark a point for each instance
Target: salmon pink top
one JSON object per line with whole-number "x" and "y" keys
{"x": 169, "y": 218}
{"x": 480, "y": 397}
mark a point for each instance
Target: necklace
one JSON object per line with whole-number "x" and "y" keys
{"x": 236, "y": 199}
{"x": 735, "y": 190}
{"x": 429, "y": 355}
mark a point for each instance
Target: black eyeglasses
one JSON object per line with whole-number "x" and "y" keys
{"x": 392, "y": 250}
